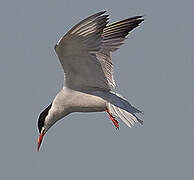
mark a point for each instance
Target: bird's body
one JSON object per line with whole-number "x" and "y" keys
{"x": 85, "y": 55}
{"x": 77, "y": 101}
{"x": 68, "y": 101}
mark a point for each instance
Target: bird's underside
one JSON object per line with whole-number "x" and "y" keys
{"x": 85, "y": 55}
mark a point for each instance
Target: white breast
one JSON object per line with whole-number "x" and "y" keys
{"x": 68, "y": 100}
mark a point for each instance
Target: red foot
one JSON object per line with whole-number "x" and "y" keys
{"x": 116, "y": 123}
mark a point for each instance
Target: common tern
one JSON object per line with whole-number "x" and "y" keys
{"x": 85, "y": 55}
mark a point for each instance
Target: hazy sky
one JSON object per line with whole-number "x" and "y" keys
{"x": 154, "y": 70}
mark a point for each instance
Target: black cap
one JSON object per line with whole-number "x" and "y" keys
{"x": 42, "y": 117}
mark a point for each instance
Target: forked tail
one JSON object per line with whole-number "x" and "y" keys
{"x": 120, "y": 107}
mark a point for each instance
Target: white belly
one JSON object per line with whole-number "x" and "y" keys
{"x": 74, "y": 101}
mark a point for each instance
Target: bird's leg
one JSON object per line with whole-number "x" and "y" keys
{"x": 115, "y": 122}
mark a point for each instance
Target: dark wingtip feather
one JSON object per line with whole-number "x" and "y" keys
{"x": 98, "y": 14}
{"x": 104, "y": 11}
{"x": 120, "y": 29}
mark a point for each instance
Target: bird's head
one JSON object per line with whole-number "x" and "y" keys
{"x": 42, "y": 126}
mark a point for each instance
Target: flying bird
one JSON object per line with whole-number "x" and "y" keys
{"x": 85, "y": 55}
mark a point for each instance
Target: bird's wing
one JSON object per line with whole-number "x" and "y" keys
{"x": 85, "y": 51}
{"x": 77, "y": 54}
{"x": 113, "y": 37}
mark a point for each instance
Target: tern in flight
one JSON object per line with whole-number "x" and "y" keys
{"x": 85, "y": 56}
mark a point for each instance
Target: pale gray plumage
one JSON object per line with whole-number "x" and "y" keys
{"x": 92, "y": 40}
{"x": 85, "y": 55}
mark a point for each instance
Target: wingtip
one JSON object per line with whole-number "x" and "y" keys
{"x": 103, "y": 11}
{"x": 137, "y": 18}
{"x": 141, "y": 18}
{"x": 100, "y": 13}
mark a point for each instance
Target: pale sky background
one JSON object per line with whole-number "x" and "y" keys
{"x": 154, "y": 70}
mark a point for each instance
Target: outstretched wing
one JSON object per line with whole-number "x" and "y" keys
{"x": 85, "y": 51}
{"x": 113, "y": 37}
{"x": 77, "y": 54}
